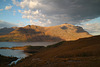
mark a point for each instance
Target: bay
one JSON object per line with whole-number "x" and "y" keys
{"x": 20, "y": 53}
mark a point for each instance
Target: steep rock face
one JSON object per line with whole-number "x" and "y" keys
{"x": 67, "y": 32}
{"x": 54, "y": 33}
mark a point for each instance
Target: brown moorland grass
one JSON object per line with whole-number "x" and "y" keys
{"x": 80, "y": 53}
{"x": 4, "y": 61}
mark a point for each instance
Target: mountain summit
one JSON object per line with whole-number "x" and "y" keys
{"x": 61, "y": 32}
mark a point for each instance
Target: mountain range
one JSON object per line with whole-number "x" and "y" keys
{"x": 61, "y": 32}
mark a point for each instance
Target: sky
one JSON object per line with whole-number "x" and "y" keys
{"x": 84, "y": 13}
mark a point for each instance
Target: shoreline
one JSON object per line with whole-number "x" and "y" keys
{"x": 26, "y": 49}
{"x": 15, "y": 48}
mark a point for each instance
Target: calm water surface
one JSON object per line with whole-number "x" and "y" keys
{"x": 14, "y": 53}
{"x": 19, "y": 53}
{"x": 14, "y": 44}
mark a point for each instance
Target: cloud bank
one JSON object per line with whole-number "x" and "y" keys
{"x": 92, "y": 28}
{"x": 54, "y": 12}
{"x": 6, "y": 24}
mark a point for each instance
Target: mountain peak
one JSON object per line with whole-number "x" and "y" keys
{"x": 66, "y": 24}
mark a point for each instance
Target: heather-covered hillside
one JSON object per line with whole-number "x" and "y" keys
{"x": 80, "y": 53}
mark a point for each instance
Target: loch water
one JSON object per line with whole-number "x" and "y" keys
{"x": 20, "y": 53}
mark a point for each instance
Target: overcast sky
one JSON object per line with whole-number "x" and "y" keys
{"x": 85, "y": 13}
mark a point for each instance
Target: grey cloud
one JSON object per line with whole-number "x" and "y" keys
{"x": 77, "y": 9}
{"x": 64, "y": 11}
{"x": 6, "y": 24}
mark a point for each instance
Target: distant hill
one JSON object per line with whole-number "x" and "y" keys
{"x": 65, "y": 32}
{"x": 4, "y": 31}
{"x": 84, "y": 52}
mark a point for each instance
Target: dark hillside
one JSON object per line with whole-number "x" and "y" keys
{"x": 4, "y": 61}
{"x": 80, "y": 53}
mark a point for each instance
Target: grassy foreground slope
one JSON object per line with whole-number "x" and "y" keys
{"x": 4, "y": 61}
{"x": 80, "y": 53}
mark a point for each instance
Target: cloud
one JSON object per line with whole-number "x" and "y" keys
{"x": 6, "y": 24}
{"x": 35, "y": 12}
{"x": 8, "y": 7}
{"x": 92, "y": 28}
{"x": 59, "y": 11}
{"x": 19, "y": 11}
{"x": 1, "y": 9}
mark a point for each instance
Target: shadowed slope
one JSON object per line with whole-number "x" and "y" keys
{"x": 5, "y": 31}
{"x": 28, "y": 34}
